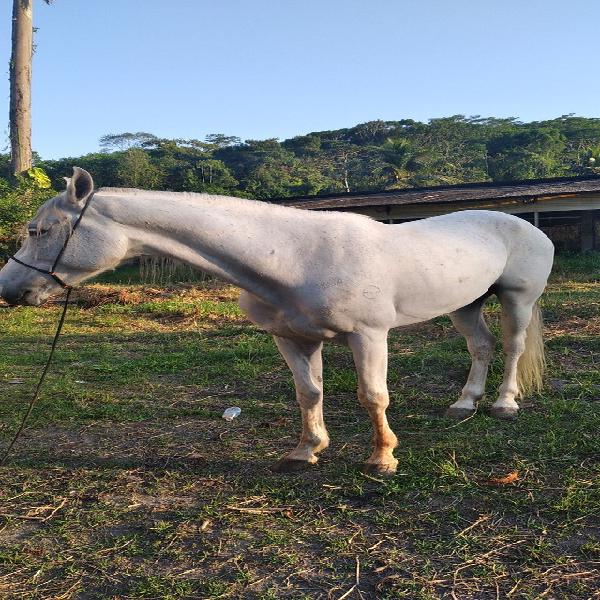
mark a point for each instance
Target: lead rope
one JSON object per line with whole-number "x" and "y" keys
{"x": 68, "y": 288}
{"x": 41, "y": 380}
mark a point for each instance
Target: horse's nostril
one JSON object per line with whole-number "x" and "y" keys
{"x": 13, "y": 298}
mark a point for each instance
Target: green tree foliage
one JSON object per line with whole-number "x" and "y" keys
{"x": 125, "y": 141}
{"x": 376, "y": 155}
{"x": 527, "y": 154}
{"x": 104, "y": 166}
{"x": 189, "y": 165}
{"x": 136, "y": 170}
{"x": 18, "y": 203}
{"x": 401, "y": 162}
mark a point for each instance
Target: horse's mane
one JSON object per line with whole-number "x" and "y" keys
{"x": 55, "y": 206}
{"x": 217, "y": 199}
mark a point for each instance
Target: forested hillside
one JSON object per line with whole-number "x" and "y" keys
{"x": 371, "y": 156}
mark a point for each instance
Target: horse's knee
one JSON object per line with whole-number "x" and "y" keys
{"x": 373, "y": 399}
{"x": 481, "y": 347}
{"x": 514, "y": 345}
{"x": 309, "y": 396}
{"x": 482, "y": 350}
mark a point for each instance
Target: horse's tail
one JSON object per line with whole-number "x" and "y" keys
{"x": 532, "y": 364}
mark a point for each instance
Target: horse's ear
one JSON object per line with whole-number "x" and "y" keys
{"x": 80, "y": 186}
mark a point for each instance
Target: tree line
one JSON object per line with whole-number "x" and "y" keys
{"x": 377, "y": 155}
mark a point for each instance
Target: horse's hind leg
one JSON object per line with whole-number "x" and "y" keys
{"x": 370, "y": 358}
{"x": 304, "y": 360}
{"x": 480, "y": 342}
{"x": 517, "y": 307}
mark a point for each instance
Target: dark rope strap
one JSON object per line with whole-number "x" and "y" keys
{"x": 41, "y": 381}
{"x": 75, "y": 226}
{"x": 68, "y": 289}
{"x": 52, "y": 274}
{"x": 52, "y": 271}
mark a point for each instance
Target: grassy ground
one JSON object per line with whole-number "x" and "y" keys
{"x": 128, "y": 484}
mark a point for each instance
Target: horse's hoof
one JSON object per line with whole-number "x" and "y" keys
{"x": 290, "y": 465}
{"x": 459, "y": 412}
{"x": 505, "y": 413}
{"x": 380, "y": 470}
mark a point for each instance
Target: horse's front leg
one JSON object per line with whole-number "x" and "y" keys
{"x": 370, "y": 357}
{"x": 304, "y": 360}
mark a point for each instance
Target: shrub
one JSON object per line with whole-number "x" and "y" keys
{"x": 18, "y": 203}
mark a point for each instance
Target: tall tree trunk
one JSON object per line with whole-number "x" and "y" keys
{"x": 20, "y": 86}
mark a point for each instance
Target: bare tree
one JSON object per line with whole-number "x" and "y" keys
{"x": 20, "y": 85}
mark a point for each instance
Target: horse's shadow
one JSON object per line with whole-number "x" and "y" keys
{"x": 158, "y": 465}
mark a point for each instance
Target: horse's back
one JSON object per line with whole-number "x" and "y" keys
{"x": 529, "y": 252}
{"x": 449, "y": 261}
{"x": 488, "y": 231}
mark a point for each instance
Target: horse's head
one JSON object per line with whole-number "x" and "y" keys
{"x": 94, "y": 246}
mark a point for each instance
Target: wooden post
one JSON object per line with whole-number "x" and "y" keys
{"x": 20, "y": 86}
{"x": 536, "y": 219}
{"x": 587, "y": 230}
{"x": 388, "y": 210}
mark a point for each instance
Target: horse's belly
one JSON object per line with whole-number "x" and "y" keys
{"x": 447, "y": 284}
{"x": 311, "y": 325}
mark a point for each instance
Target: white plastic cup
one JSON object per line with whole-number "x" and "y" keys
{"x": 231, "y": 413}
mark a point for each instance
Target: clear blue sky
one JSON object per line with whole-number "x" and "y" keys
{"x": 279, "y": 68}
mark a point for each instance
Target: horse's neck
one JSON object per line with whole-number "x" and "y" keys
{"x": 243, "y": 242}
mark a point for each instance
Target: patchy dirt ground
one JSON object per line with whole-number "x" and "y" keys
{"x": 128, "y": 484}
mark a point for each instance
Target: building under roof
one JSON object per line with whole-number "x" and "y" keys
{"x": 567, "y": 208}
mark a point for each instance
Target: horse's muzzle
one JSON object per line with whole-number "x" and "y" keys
{"x": 20, "y": 297}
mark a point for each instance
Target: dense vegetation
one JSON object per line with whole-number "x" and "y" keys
{"x": 370, "y": 156}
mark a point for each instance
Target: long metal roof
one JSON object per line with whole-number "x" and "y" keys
{"x": 522, "y": 190}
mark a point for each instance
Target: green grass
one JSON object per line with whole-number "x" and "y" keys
{"x": 577, "y": 267}
{"x": 128, "y": 484}
{"x": 135, "y": 274}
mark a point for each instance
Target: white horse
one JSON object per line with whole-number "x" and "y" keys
{"x": 309, "y": 277}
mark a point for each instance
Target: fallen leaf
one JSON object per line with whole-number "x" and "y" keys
{"x": 205, "y": 524}
{"x": 195, "y": 456}
{"x": 507, "y": 479}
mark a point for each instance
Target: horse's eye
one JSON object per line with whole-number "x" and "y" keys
{"x": 36, "y": 232}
